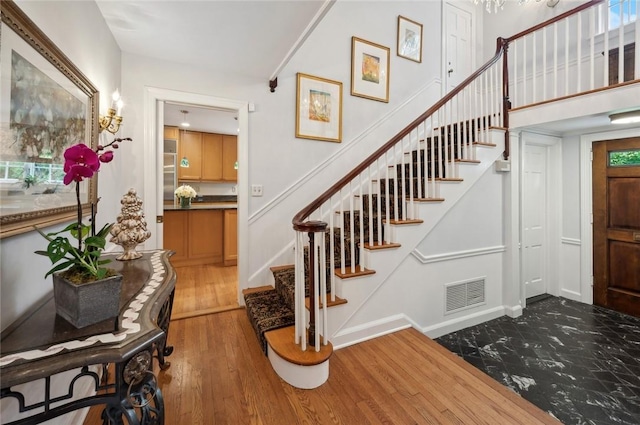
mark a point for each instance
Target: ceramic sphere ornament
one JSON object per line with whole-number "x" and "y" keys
{"x": 131, "y": 227}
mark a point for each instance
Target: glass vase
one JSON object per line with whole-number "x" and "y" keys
{"x": 185, "y": 202}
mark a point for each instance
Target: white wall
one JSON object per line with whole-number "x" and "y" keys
{"x": 277, "y": 160}
{"x": 97, "y": 55}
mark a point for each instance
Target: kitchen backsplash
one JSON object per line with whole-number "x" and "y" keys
{"x": 208, "y": 189}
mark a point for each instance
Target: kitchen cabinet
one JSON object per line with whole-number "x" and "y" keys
{"x": 190, "y": 148}
{"x": 230, "y": 237}
{"x": 170, "y": 133}
{"x": 212, "y": 145}
{"x": 211, "y": 157}
{"x": 195, "y": 235}
{"x": 175, "y": 228}
{"x": 229, "y": 158}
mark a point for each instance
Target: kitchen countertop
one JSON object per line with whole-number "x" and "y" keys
{"x": 203, "y": 206}
{"x": 206, "y": 202}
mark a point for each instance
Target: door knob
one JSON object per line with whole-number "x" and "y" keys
{"x": 450, "y": 71}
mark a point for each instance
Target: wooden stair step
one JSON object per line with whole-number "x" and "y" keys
{"x": 428, "y": 199}
{"x": 276, "y": 269}
{"x": 468, "y": 161}
{"x": 257, "y": 289}
{"x": 485, "y": 144}
{"x": 383, "y": 245}
{"x": 406, "y": 222}
{"x": 337, "y": 301}
{"x": 449, "y": 179}
{"x": 359, "y": 271}
{"x": 282, "y": 343}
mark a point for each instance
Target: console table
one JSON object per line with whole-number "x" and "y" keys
{"x": 41, "y": 344}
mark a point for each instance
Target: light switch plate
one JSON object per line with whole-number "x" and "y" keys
{"x": 256, "y": 190}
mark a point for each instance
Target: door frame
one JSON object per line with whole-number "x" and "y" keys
{"x": 586, "y": 207}
{"x": 154, "y": 99}
{"x": 467, "y": 6}
{"x": 553, "y": 216}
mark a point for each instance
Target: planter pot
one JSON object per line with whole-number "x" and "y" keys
{"x": 88, "y": 303}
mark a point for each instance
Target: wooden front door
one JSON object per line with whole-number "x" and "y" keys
{"x": 616, "y": 224}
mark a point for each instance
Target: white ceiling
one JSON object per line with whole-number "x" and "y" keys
{"x": 240, "y": 37}
{"x": 258, "y": 35}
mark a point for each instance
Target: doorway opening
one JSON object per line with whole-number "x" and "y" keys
{"x": 204, "y": 236}
{"x": 219, "y": 277}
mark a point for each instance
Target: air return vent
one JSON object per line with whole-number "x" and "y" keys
{"x": 463, "y": 295}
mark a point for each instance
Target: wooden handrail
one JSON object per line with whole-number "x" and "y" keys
{"x": 502, "y": 46}
{"x": 554, "y": 20}
{"x": 319, "y": 226}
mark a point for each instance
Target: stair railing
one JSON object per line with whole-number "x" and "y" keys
{"x": 357, "y": 210}
{"x": 575, "y": 52}
{"x": 352, "y": 213}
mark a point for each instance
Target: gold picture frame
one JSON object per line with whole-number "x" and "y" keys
{"x": 409, "y": 39}
{"x": 318, "y": 108}
{"x": 369, "y": 70}
{"x": 47, "y": 105}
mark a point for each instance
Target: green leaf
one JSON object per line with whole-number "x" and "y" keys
{"x": 58, "y": 248}
{"x": 61, "y": 266}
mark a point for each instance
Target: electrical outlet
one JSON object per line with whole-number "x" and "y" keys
{"x": 256, "y": 190}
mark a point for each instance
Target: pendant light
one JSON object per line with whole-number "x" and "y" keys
{"x": 184, "y": 122}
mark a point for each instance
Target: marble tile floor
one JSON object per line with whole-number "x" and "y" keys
{"x": 579, "y": 362}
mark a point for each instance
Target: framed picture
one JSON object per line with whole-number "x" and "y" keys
{"x": 369, "y": 70}
{"x": 46, "y": 105}
{"x": 409, "y": 39}
{"x": 318, "y": 108}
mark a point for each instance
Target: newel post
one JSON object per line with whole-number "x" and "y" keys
{"x": 310, "y": 228}
{"x": 506, "y": 102}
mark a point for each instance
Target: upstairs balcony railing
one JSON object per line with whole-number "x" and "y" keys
{"x": 573, "y": 53}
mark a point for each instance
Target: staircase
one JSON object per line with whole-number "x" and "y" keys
{"x": 365, "y": 228}
{"x": 390, "y": 202}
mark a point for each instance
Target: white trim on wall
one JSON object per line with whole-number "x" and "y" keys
{"x": 152, "y": 98}
{"x": 427, "y": 259}
{"x": 586, "y": 207}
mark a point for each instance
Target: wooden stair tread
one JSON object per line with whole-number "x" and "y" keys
{"x": 383, "y": 245}
{"x": 276, "y": 269}
{"x": 257, "y": 289}
{"x": 337, "y": 301}
{"x": 428, "y": 199}
{"x": 485, "y": 144}
{"x": 359, "y": 271}
{"x": 403, "y": 222}
{"x": 282, "y": 343}
{"x": 468, "y": 161}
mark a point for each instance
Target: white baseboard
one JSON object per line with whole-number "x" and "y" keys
{"x": 572, "y": 295}
{"x": 367, "y": 331}
{"x": 463, "y": 322}
{"x": 513, "y": 311}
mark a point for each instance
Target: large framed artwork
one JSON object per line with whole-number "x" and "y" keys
{"x": 46, "y": 105}
{"x": 318, "y": 108}
{"x": 369, "y": 70}
{"x": 409, "y": 39}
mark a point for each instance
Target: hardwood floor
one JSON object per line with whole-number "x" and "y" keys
{"x": 219, "y": 375}
{"x": 205, "y": 290}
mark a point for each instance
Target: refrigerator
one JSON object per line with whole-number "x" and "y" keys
{"x": 170, "y": 177}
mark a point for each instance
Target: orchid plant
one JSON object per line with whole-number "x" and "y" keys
{"x": 82, "y": 260}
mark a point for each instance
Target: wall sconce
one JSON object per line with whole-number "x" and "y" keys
{"x": 111, "y": 122}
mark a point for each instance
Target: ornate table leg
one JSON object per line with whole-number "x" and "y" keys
{"x": 141, "y": 401}
{"x": 164, "y": 318}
